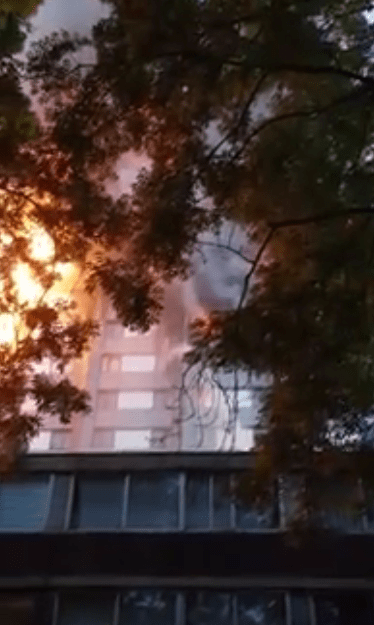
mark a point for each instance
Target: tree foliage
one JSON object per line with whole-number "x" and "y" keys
{"x": 252, "y": 110}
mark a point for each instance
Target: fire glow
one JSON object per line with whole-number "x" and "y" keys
{"x": 29, "y": 289}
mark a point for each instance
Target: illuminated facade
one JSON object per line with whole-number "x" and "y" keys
{"x": 133, "y": 379}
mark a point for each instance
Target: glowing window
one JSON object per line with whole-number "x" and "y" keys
{"x": 135, "y": 400}
{"x": 132, "y": 440}
{"x": 138, "y": 363}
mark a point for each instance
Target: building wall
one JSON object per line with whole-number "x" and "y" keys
{"x": 134, "y": 379}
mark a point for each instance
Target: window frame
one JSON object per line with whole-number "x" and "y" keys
{"x": 182, "y": 508}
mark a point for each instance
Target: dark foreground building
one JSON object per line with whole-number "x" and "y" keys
{"x": 155, "y": 539}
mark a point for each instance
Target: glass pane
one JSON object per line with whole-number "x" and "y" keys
{"x": 147, "y": 607}
{"x": 23, "y": 503}
{"x": 197, "y": 501}
{"x": 98, "y": 502}
{"x": 261, "y": 609}
{"x": 138, "y": 363}
{"x": 86, "y": 609}
{"x": 342, "y": 521}
{"x": 221, "y": 502}
{"x": 250, "y": 517}
{"x": 57, "y": 509}
{"x": 153, "y": 500}
{"x": 17, "y": 609}
{"x": 209, "y": 608}
{"x": 343, "y": 609}
{"x": 300, "y": 608}
{"x": 134, "y": 400}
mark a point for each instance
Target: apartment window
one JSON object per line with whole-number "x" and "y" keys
{"x": 40, "y": 442}
{"x": 300, "y": 608}
{"x": 249, "y": 516}
{"x": 24, "y": 503}
{"x": 134, "y": 364}
{"x": 86, "y": 608}
{"x": 111, "y": 364}
{"x": 154, "y": 500}
{"x": 133, "y": 400}
{"x": 197, "y": 501}
{"x": 138, "y": 363}
{"x": 209, "y": 608}
{"x": 158, "y": 606}
{"x": 148, "y": 606}
{"x": 209, "y": 504}
{"x": 244, "y": 398}
{"x": 222, "y": 501}
{"x": 132, "y": 440}
{"x": 256, "y": 608}
{"x": 98, "y": 502}
{"x": 157, "y": 500}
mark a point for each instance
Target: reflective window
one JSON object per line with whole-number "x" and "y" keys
{"x": 135, "y": 399}
{"x": 197, "y": 501}
{"x": 148, "y": 607}
{"x": 59, "y": 500}
{"x": 86, "y": 609}
{"x": 209, "y": 608}
{"x": 153, "y": 500}
{"x": 261, "y": 609}
{"x": 24, "y": 503}
{"x": 98, "y": 502}
{"x": 300, "y": 610}
{"x": 250, "y": 517}
{"x": 221, "y": 502}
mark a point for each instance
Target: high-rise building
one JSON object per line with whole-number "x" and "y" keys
{"x": 135, "y": 380}
{"x": 116, "y": 519}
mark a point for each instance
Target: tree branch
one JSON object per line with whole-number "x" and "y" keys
{"x": 233, "y": 130}
{"x": 287, "y": 223}
{"x": 229, "y": 248}
{"x": 341, "y": 214}
{"x": 255, "y": 264}
{"x": 293, "y": 115}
